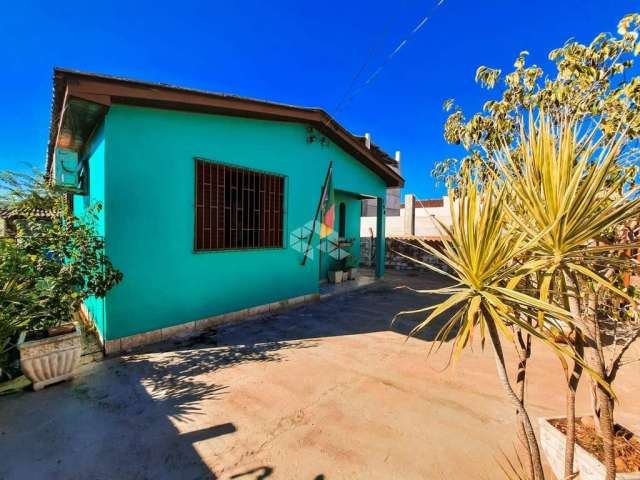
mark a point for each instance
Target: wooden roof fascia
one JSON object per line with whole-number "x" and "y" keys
{"x": 106, "y": 91}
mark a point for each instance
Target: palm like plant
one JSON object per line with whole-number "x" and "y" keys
{"x": 567, "y": 189}
{"x": 19, "y": 303}
{"x": 481, "y": 247}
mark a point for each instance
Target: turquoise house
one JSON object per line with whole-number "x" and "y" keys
{"x": 209, "y": 200}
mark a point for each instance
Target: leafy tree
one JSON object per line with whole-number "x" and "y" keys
{"x": 566, "y": 194}
{"x": 590, "y": 84}
{"x": 480, "y": 248}
{"x": 563, "y": 154}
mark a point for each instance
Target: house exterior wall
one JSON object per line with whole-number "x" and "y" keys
{"x": 149, "y": 214}
{"x": 352, "y": 230}
{"x": 95, "y": 157}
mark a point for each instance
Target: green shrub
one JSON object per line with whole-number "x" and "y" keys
{"x": 48, "y": 270}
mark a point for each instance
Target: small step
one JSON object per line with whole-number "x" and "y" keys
{"x": 92, "y": 350}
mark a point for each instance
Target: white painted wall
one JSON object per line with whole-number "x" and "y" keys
{"x": 424, "y": 225}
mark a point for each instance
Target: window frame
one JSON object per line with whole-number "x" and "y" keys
{"x": 240, "y": 168}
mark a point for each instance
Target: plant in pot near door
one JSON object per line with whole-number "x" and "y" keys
{"x": 58, "y": 264}
{"x": 336, "y": 275}
{"x": 351, "y": 267}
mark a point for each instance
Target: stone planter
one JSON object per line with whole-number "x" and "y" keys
{"x": 336, "y": 276}
{"x": 52, "y": 359}
{"x": 553, "y": 444}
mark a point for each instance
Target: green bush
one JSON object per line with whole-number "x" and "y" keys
{"x": 48, "y": 270}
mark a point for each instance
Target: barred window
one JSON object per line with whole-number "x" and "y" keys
{"x": 237, "y": 208}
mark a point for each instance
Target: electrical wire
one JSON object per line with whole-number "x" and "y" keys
{"x": 347, "y": 98}
{"x": 375, "y": 48}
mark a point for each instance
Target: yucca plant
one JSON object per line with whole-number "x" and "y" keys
{"x": 514, "y": 467}
{"x": 485, "y": 253}
{"x": 573, "y": 217}
{"x": 568, "y": 186}
{"x": 19, "y": 304}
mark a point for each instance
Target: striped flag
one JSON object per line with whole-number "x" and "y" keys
{"x": 328, "y": 208}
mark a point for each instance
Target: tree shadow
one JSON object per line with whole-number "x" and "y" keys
{"x": 172, "y": 373}
{"x": 617, "y": 333}
{"x": 358, "y": 312}
{"x": 261, "y": 473}
{"x": 120, "y": 421}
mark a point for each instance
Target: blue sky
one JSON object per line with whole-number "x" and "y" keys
{"x": 304, "y": 53}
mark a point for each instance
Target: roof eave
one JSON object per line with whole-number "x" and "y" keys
{"x": 103, "y": 91}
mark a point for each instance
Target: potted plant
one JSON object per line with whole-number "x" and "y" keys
{"x": 594, "y": 123}
{"x": 336, "y": 276}
{"x": 588, "y": 459}
{"x": 15, "y": 296}
{"x": 351, "y": 267}
{"x": 51, "y": 356}
{"x": 47, "y": 271}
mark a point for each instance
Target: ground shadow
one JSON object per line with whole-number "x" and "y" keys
{"x": 119, "y": 421}
{"x": 616, "y": 333}
{"x": 363, "y": 311}
{"x": 259, "y": 473}
{"x": 172, "y": 372}
{"x": 262, "y": 473}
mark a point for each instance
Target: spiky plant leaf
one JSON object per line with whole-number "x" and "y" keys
{"x": 480, "y": 248}
{"x": 567, "y": 186}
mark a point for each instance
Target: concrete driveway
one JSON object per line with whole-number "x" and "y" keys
{"x": 323, "y": 391}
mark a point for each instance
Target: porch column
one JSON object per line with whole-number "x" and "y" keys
{"x": 380, "y": 235}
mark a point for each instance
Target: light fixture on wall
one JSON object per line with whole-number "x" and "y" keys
{"x": 311, "y": 135}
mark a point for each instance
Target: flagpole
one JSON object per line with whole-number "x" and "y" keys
{"x": 313, "y": 228}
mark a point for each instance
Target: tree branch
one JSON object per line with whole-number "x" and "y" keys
{"x": 617, "y": 361}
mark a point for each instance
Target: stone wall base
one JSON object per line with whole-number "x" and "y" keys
{"x": 114, "y": 347}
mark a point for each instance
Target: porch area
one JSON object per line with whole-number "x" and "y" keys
{"x": 324, "y": 391}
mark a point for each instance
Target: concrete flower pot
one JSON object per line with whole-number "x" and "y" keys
{"x": 553, "y": 443}
{"x": 52, "y": 359}
{"x": 336, "y": 276}
{"x": 352, "y": 273}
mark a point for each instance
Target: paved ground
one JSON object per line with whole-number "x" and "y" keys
{"x": 325, "y": 391}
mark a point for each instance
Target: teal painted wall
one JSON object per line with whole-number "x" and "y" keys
{"x": 150, "y": 214}
{"x": 95, "y": 157}
{"x": 352, "y": 229}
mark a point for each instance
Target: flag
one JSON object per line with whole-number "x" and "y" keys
{"x": 328, "y": 208}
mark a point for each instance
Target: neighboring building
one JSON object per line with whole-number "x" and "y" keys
{"x": 416, "y": 218}
{"x": 208, "y": 199}
{"x": 417, "y": 222}
{"x": 393, "y": 194}
{"x": 10, "y": 218}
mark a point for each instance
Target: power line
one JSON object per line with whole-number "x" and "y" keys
{"x": 347, "y": 98}
{"x": 370, "y": 54}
